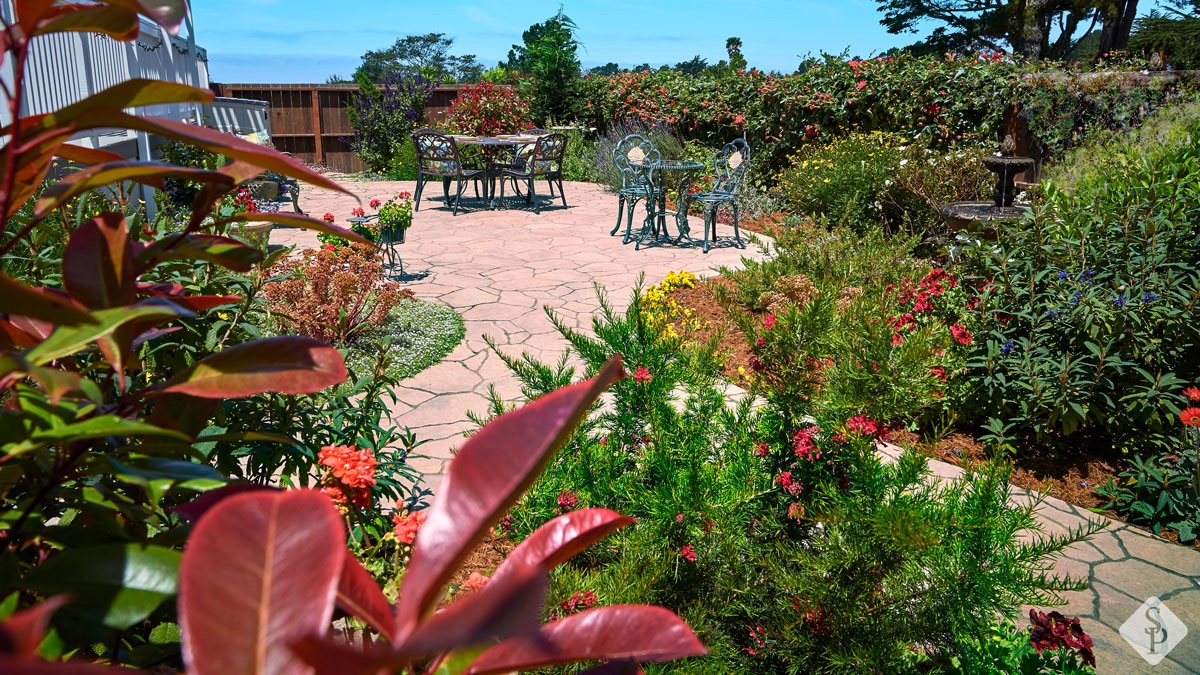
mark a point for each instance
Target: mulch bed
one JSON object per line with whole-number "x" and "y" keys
{"x": 1070, "y": 479}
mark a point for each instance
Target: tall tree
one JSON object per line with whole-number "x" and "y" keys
{"x": 693, "y": 66}
{"x": 1035, "y": 29}
{"x": 548, "y": 56}
{"x": 425, "y": 55}
{"x": 609, "y": 68}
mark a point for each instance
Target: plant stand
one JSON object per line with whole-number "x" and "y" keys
{"x": 388, "y": 240}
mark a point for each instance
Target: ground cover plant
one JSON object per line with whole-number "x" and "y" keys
{"x": 789, "y": 546}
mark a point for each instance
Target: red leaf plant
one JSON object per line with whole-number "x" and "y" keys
{"x": 264, "y": 569}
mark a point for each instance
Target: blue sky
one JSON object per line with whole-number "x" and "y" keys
{"x": 309, "y": 40}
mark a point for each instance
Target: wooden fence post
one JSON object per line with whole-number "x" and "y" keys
{"x": 317, "y": 131}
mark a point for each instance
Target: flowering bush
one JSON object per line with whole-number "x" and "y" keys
{"x": 383, "y": 115}
{"x": 334, "y": 294}
{"x": 866, "y": 181}
{"x": 488, "y": 109}
{"x": 394, "y": 214}
{"x": 793, "y": 546}
{"x": 1091, "y": 314}
{"x": 663, "y": 313}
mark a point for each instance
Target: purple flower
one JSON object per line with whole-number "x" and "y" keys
{"x": 1120, "y": 300}
{"x": 1008, "y": 347}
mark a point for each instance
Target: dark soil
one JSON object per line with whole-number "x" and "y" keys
{"x": 486, "y": 557}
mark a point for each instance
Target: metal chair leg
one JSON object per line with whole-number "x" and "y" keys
{"x": 620, "y": 210}
{"x": 561, "y": 193}
{"x": 737, "y": 235}
{"x": 417, "y": 198}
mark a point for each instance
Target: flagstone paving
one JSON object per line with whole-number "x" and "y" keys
{"x": 500, "y": 268}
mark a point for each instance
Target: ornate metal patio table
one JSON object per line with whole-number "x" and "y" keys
{"x": 493, "y": 150}
{"x": 655, "y": 224}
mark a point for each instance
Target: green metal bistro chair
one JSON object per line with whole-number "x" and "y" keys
{"x": 632, "y": 157}
{"x": 438, "y": 159}
{"x": 545, "y": 162}
{"x": 731, "y": 163}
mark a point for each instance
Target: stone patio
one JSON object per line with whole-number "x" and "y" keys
{"x": 500, "y": 268}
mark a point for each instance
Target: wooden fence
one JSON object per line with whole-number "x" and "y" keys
{"x": 310, "y": 120}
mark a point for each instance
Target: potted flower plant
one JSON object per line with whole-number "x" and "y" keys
{"x": 395, "y": 217}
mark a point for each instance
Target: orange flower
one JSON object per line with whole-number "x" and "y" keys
{"x": 477, "y": 581}
{"x": 1190, "y": 417}
{"x": 1192, "y": 394}
{"x": 407, "y": 526}
{"x": 353, "y": 467}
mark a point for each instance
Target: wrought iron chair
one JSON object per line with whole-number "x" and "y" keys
{"x": 522, "y": 152}
{"x": 731, "y": 163}
{"x": 438, "y": 158}
{"x": 631, "y": 158}
{"x": 545, "y": 162}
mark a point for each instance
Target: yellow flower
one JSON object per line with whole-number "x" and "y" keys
{"x": 223, "y": 315}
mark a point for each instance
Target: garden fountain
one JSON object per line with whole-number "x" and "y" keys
{"x": 976, "y": 216}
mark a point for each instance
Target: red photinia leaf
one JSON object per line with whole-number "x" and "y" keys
{"x": 178, "y": 295}
{"x": 297, "y": 220}
{"x": 359, "y": 596}
{"x": 560, "y": 539}
{"x": 184, "y": 413}
{"x": 21, "y": 633}
{"x": 12, "y": 337}
{"x": 115, "y": 22}
{"x": 225, "y": 251}
{"x": 631, "y": 632}
{"x": 259, "y": 573}
{"x": 486, "y": 477}
{"x": 290, "y": 364}
{"x": 98, "y": 263}
{"x": 148, "y": 173}
{"x": 195, "y": 509}
{"x": 30, "y": 12}
{"x": 11, "y": 665}
{"x": 127, "y": 94}
{"x": 506, "y": 608}
{"x": 327, "y": 656}
{"x": 167, "y": 13}
{"x": 209, "y": 139}
{"x": 17, "y": 298}
{"x": 87, "y": 156}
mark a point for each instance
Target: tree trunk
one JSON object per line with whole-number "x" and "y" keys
{"x": 1118, "y": 23}
{"x": 1032, "y": 32}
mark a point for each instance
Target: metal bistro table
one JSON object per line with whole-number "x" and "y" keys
{"x": 655, "y": 224}
{"x": 493, "y": 148}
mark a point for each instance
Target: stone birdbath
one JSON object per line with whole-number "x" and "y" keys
{"x": 978, "y": 216}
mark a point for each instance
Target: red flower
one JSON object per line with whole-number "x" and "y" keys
{"x": 789, "y": 485}
{"x": 1192, "y": 394}
{"x": 810, "y": 130}
{"x": 567, "y": 500}
{"x": 861, "y": 84}
{"x": 1190, "y": 417}
{"x": 679, "y": 517}
{"x": 1054, "y": 631}
{"x": 738, "y": 119}
{"x": 642, "y": 375}
{"x": 938, "y": 372}
{"x": 769, "y": 321}
{"x": 352, "y": 466}
{"x": 760, "y": 450}
{"x": 375, "y": 203}
{"x": 688, "y": 553}
{"x": 862, "y": 425}
{"x": 897, "y": 340}
{"x": 358, "y": 212}
{"x": 407, "y": 525}
{"x": 961, "y": 334}
{"x": 804, "y": 445}
{"x": 328, "y": 217}
{"x": 762, "y": 342}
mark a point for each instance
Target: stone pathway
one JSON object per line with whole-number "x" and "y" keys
{"x": 500, "y": 268}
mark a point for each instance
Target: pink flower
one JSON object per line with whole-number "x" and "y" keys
{"x": 862, "y": 425}
{"x": 688, "y": 553}
{"x": 328, "y": 217}
{"x": 477, "y": 581}
{"x": 738, "y": 119}
{"x": 861, "y": 84}
{"x": 642, "y": 375}
{"x": 769, "y": 321}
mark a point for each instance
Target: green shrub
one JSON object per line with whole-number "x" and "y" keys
{"x": 579, "y": 162}
{"x": 1093, "y": 312}
{"x": 404, "y": 163}
{"x": 871, "y": 181}
{"x": 787, "y": 549}
{"x": 1006, "y": 650}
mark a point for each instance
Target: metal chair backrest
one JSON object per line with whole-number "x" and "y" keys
{"x": 632, "y": 151}
{"x": 437, "y": 153}
{"x": 731, "y": 162}
{"x": 548, "y": 153}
